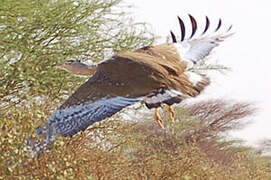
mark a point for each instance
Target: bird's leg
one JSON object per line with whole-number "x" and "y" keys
{"x": 171, "y": 114}
{"x": 158, "y": 119}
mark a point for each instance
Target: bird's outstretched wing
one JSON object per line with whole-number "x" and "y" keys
{"x": 195, "y": 49}
{"x": 90, "y": 103}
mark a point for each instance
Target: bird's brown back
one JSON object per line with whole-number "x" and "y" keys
{"x": 149, "y": 69}
{"x": 135, "y": 74}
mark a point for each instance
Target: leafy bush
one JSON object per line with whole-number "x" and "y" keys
{"x": 117, "y": 149}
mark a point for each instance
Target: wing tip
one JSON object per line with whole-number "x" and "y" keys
{"x": 207, "y": 25}
{"x": 182, "y": 26}
{"x": 195, "y": 27}
{"x": 173, "y": 37}
{"x": 218, "y": 25}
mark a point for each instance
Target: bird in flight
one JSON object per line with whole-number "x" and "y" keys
{"x": 154, "y": 75}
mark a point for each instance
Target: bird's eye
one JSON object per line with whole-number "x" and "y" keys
{"x": 69, "y": 62}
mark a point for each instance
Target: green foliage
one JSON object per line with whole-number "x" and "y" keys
{"x": 36, "y": 35}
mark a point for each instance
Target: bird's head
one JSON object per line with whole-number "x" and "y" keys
{"x": 77, "y": 68}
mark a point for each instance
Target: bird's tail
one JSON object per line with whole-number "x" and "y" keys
{"x": 165, "y": 96}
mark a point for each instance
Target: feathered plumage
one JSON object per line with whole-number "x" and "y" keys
{"x": 153, "y": 74}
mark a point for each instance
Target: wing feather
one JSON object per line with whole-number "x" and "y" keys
{"x": 71, "y": 120}
{"x": 197, "y": 49}
{"x": 92, "y": 102}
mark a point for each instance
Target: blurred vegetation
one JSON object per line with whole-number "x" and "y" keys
{"x": 36, "y": 35}
{"x": 194, "y": 147}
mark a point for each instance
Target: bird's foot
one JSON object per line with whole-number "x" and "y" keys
{"x": 158, "y": 119}
{"x": 171, "y": 114}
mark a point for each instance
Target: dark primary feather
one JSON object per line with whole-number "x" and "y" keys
{"x": 219, "y": 25}
{"x": 194, "y": 25}
{"x": 228, "y": 30}
{"x": 207, "y": 24}
{"x": 182, "y": 26}
{"x": 174, "y": 40}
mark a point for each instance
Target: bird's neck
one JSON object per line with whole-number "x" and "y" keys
{"x": 90, "y": 70}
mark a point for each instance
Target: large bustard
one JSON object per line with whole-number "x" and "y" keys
{"x": 153, "y": 74}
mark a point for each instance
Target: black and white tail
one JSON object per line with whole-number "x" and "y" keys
{"x": 171, "y": 96}
{"x": 164, "y": 96}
